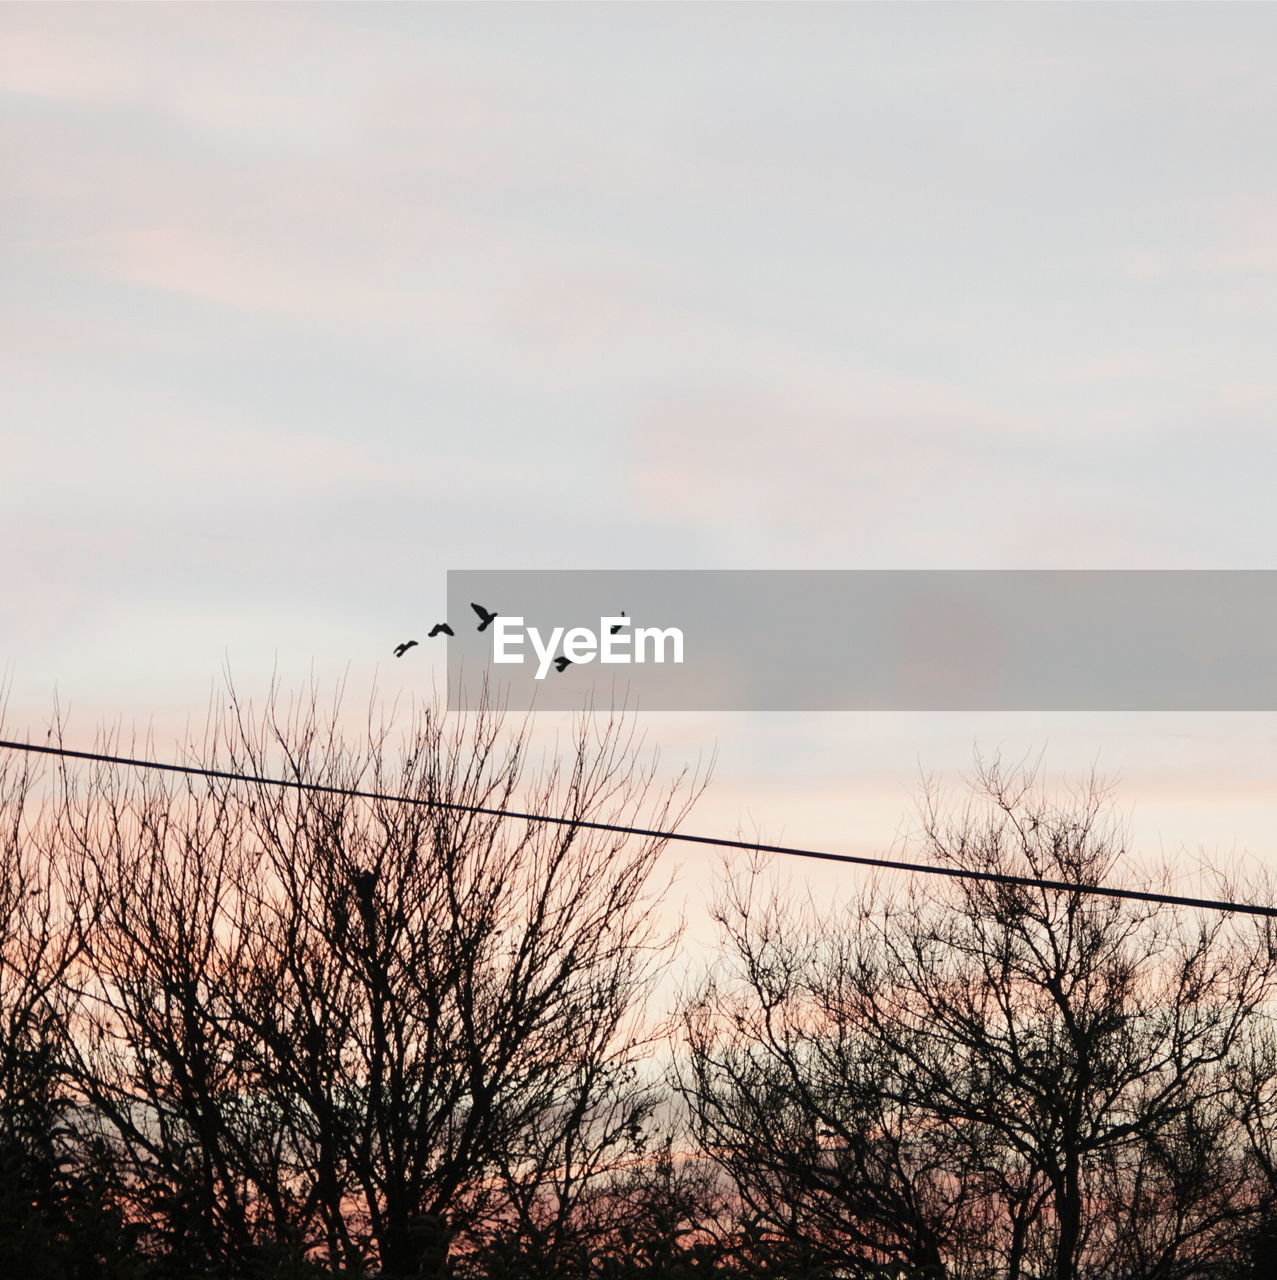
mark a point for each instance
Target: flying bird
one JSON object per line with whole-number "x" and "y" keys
{"x": 561, "y": 664}
{"x": 619, "y": 625}
{"x": 440, "y": 627}
{"x": 485, "y": 616}
{"x": 401, "y": 649}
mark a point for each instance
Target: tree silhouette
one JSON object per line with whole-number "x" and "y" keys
{"x": 987, "y": 1078}
{"x": 366, "y": 1031}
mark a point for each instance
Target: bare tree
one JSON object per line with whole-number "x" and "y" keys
{"x": 290, "y": 1031}
{"x": 365, "y": 1032}
{"x": 836, "y": 1174}
{"x": 51, "y": 1221}
{"x": 985, "y": 1078}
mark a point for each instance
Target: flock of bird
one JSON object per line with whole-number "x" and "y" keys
{"x": 486, "y": 617}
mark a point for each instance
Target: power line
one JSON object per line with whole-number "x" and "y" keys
{"x": 722, "y": 842}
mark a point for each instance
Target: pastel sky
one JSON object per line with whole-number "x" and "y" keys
{"x": 304, "y": 305}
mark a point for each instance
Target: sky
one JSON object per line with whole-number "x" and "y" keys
{"x": 303, "y": 306}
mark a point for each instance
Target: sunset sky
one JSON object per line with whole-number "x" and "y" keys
{"x": 303, "y": 306}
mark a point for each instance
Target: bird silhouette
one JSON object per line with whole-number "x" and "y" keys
{"x": 401, "y": 649}
{"x": 619, "y": 625}
{"x": 440, "y": 627}
{"x": 485, "y": 615}
{"x": 562, "y": 664}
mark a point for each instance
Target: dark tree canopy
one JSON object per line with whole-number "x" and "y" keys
{"x": 253, "y": 1031}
